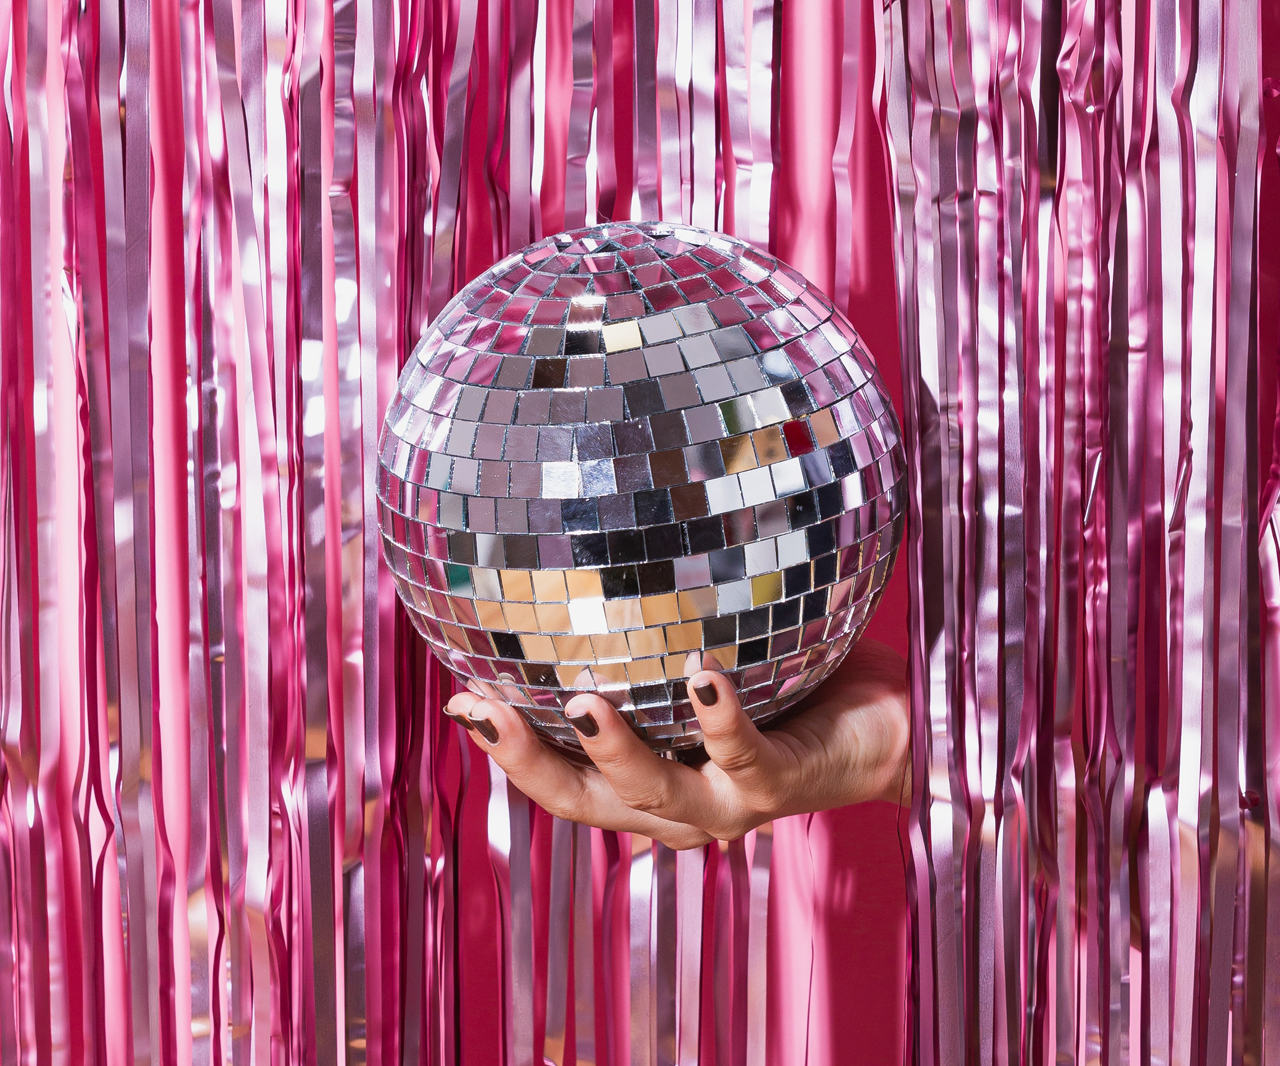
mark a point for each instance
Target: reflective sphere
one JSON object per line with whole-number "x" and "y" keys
{"x": 628, "y": 445}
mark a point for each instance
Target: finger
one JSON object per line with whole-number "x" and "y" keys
{"x": 700, "y": 660}
{"x": 507, "y": 690}
{"x": 640, "y": 778}
{"x": 531, "y": 765}
{"x": 586, "y": 681}
{"x": 458, "y": 705}
{"x": 733, "y": 742}
{"x": 575, "y": 793}
{"x": 482, "y": 689}
{"x": 676, "y": 835}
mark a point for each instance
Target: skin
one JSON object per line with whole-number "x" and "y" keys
{"x": 848, "y": 743}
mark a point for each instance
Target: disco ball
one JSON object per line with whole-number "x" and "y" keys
{"x": 627, "y": 444}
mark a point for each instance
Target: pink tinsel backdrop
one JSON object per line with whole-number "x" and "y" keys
{"x": 233, "y": 829}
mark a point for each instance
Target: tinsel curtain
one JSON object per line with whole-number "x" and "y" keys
{"x": 1090, "y": 367}
{"x": 232, "y": 826}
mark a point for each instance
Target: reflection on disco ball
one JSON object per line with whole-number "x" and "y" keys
{"x": 629, "y": 444}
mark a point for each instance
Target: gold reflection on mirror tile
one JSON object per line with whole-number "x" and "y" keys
{"x": 585, "y": 680}
{"x": 573, "y": 648}
{"x": 489, "y": 612}
{"x": 698, "y": 603}
{"x": 675, "y": 667}
{"x": 695, "y": 661}
{"x": 553, "y": 618}
{"x": 610, "y": 673}
{"x": 516, "y": 586}
{"x": 454, "y": 636}
{"x": 623, "y": 614}
{"x": 684, "y": 637}
{"x": 520, "y": 617}
{"x": 548, "y": 586}
{"x": 823, "y": 424}
{"x": 770, "y": 446}
{"x": 646, "y": 642}
{"x": 644, "y": 671}
{"x": 726, "y": 657}
{"x": 584, "y": 584}
{"x": 538, "y": 648}
{"x": 568, "y": 675}
{"x": 660, "y": 610}
{"x": 766, "y": 588}
{"x": 738, "y": 454}
{"x": 610, "y": 646}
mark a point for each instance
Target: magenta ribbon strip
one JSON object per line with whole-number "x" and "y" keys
{"x": 581, "y": 117}
{"x": 645, "y": 150}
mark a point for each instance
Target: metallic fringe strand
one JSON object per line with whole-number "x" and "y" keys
{"x": 233, "y": 828}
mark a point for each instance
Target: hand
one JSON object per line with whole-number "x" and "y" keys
{"x": 847, "y": 743}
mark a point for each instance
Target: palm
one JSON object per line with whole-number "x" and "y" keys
{"x": 844, "y": 731}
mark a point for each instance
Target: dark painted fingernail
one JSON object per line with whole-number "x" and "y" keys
{"x": 486, "y": 729}
{"x": 584, "y": 723}
{"x": 706, "y": 693}
{"x": 461, "y": 719}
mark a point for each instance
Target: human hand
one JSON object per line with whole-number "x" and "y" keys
{"x": 847, "y": 742}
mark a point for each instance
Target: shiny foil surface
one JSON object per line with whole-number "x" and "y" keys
{"x": 1086, "y": 264}
{"x": 235, "y": 829}
{"x": 627, "y": 447}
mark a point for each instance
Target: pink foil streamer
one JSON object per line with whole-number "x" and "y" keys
{"x": 642, "y": 880}
{"x": 558, "y": 932}
{"x": 227, "y": 806}
{"x": 690, "y": 872}
{"x": 581, "y": 108}
{"x": 672, "y": 150}
{"x": 757, "y": 969}
{"x": 760, "y": 57}
{"x": 584, "y": 994}
{"x": 1109, "y": 547}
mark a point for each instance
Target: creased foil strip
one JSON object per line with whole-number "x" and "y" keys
{"x": 226, "y": 804}
{"x": 1078, "y": 243}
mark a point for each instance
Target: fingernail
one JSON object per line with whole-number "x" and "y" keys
{"x": 706, "y": 693}
{"x": 583, "y": 722}
{"x": 461, "y": 719}
{"x": 486, "y": 729}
